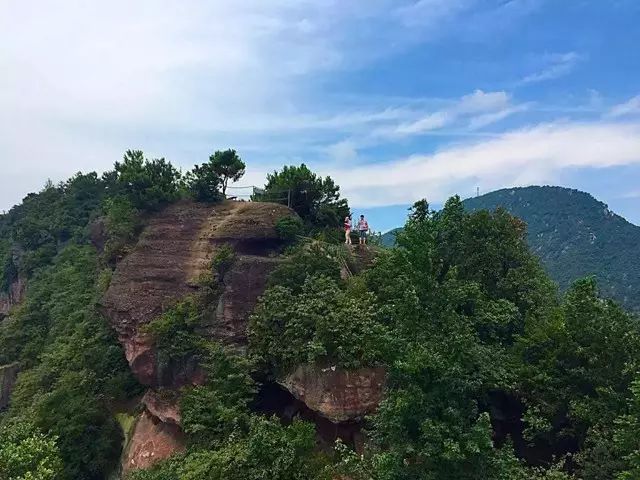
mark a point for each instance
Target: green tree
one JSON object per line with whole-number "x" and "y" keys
{"x": 203, "y": 183}
{"x": 626, "y": 438}
{"x": 149, "y": 184}
{"x": 228, "y": 166}
{"x": 316, "y": 199}
{"x": 28, "y": 454}
{"x": 211, "y": 412}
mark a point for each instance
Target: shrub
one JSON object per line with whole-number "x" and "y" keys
{"x": 289, "y": 228}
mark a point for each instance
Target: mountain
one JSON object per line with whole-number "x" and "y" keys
{"x": 574, "y": 235}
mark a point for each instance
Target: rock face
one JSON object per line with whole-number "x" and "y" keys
{"x": 163, "y": 405}
{"x": 173, "y": 252}
{"x": 11, "y": 298}
{"x": 337, "y": 394}
{"x": 8, "y": 375}
{"x": 152, "y": 441}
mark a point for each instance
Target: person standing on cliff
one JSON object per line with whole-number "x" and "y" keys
{"x": 347, "y": 230}
{"x": 363, "y": 229}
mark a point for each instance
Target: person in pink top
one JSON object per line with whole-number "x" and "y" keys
{"x": 363, "y": 229}
{"x": 347, "y": 229}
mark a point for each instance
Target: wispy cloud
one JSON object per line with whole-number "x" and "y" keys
{"x": 473, "y": 111}
{"x": 630, "y": 107}
{"x": 521, "y": 157}
{"x": 557, "y": 65}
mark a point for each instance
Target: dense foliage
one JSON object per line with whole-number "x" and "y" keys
{"x": 494, "y": 378}
{"x": 575, "y": 236}
{"x": 316, "y": 199}
{"x": 491, "y": 374}
{"x": 74, "y": 366}
{"x": 27, "y": 454}
{"x": 62, "y": 243}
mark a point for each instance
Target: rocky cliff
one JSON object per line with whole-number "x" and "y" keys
{"x": 12, "y": 297}
{"x": 173, "y": 252}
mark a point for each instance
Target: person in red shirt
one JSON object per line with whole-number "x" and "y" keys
{"x": 347, "y": 229}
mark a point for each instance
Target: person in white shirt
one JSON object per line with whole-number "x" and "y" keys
{"x": 363, "y": 229}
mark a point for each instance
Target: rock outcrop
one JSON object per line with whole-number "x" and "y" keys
{"x": 12, "y": 297}
{"x": 152, "y": 441}
{"x": 174, "y": 251}
{"x": 8, "y": 375}
{"x": 337, "y": 394}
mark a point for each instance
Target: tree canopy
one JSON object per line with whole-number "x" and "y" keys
{"x": 491, "y": 372}
{"x": 316, "y": 199}
{"x": 228, "y": 166}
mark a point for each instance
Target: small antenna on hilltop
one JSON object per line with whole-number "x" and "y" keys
{"x": 477, "y": 191}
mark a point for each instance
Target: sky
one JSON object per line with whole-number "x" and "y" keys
{"x": 396, "y": 100}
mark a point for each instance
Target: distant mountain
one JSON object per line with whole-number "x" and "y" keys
{"x": 574, "y": 235}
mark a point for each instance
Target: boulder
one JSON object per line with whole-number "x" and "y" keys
{"x": 337, "y": 394}
{"x": 163, "y": 405}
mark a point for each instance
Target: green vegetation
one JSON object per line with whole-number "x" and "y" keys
{"x": 74, "y": 366}
{"x": 491, "y": 373}
{"x": 316, "y": 199}
{"x": 575, "y": 236}
{"x": 27, "y": 454}
{"x": 268, "y": 450}
{"x": 472, "y": 333}
{"x": 205, "y": 181}
{"x": 289, "y": 228}
{"x": 228, "y": 166}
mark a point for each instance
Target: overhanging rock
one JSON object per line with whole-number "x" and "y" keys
{"x": 337, "y": 394}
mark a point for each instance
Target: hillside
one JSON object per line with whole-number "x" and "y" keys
{"x": 150, "y": 329}
{"x": 574, "y": 235}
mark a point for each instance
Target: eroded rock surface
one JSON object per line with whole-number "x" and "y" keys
{"x": 173, "y": 252}
{"x": 152, "y": 441}
{"x": 13, "y": 297}
{"x": 163, "y": 405}
{"x": 337, "y": 394}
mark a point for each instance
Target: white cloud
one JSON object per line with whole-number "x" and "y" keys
{"x": 532, "y": 155}
{"x": 630, "y": 107}
{"x": 479, "y": 108}
{"x": 80, "y": 82}
{"x": 343, "y": 152}
{"x": 558, "y": 65}
{"x": 486, "y": 119}
{"x": 480, "y": 101}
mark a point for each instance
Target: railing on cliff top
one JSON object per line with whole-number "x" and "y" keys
{"x": 251, "y": 192}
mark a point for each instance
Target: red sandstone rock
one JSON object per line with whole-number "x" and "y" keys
{"x": 13, "y": 297}
{"x": 337, "y": 394}
{"x": 152, "y": 441}
{"x": 163, "y": 405}
{"x": 173, "y": 251}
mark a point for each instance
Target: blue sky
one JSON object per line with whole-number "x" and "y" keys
{"x": 396, "y": 100}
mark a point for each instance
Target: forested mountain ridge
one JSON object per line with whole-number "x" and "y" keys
{"x": 267, "y": 349}
{"x": 574, "y": 235}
